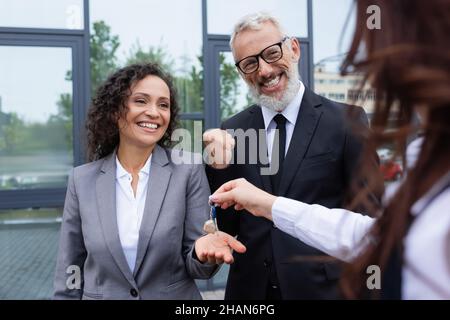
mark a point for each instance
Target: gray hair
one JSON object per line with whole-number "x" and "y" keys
{"x": 254, "y": 21}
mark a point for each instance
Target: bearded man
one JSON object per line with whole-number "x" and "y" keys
{"x": 309, "y": 141}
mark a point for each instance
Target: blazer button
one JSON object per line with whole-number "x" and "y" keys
{"x": 134, "y": 293}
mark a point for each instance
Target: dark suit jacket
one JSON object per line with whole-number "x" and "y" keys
{"x": 318, "y": 167}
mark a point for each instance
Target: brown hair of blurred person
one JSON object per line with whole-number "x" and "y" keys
{"x": 407, "y": 63}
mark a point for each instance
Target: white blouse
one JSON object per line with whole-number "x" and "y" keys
{"x": 130, "y": 209}
{"x": 344, "y": 234}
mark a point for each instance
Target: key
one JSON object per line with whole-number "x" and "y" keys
{"x": 210, "y": 225}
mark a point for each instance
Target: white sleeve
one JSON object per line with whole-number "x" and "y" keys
{"x": 337, "y": 232}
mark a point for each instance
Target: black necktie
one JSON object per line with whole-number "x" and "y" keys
{"x": 279, "y": 143}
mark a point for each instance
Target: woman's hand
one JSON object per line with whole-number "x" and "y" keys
{"x": 243, "y": 195}
{"x": 216, "y": 248}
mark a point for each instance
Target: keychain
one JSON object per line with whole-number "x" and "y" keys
{"x": 210, "y": 226}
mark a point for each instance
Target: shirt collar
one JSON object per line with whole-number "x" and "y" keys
{"x": 121, "y": 172}
{"x": 290, "y": 112}
{"x": 439, "y": 186}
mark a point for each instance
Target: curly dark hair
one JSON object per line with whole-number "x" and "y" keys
{"x": 110, "y": 103}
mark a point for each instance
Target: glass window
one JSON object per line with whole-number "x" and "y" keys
{"x": 28, "y": 247}
{"x": 59, "y": 14}
{"x": 333, "y": 30}
{"x": 35, "y": 117}
{"x": 168, "y": 32}
{"x": 234, "y": 95}
{"x": 223, "y": 15}
{"x": 189, "y": 136}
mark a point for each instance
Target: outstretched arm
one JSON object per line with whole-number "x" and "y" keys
{"x": 203, "y": 254}
{"x": 337, "y": 232}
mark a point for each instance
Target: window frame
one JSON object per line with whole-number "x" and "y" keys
{"x": 78, "y": 42}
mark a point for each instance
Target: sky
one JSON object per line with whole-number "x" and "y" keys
{"x": 223, "y": 14}
{"x": 31, "y": 79}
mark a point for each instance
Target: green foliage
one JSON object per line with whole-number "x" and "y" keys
{"x": 64, "y": 118}
{"x": 189, "y": 83}
{"x": 153, "y": 55}
{"x": 190, "y": 89}
{"x": 57, "y": 132}
{"x": 249, "y": 99}
{"x": 20, "y": 138}
{"x": 188, "y": 80}
{"x": 229, "y": 89}
{"x": 12, "y": 133}
{"x": 103, "y": 47}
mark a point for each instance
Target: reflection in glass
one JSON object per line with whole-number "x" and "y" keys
{"x": 189, "y": 136}
{"x": 35, "y": 117}
{"x": 177, "y": 47}
{"x": 223, "y": 15}
{"x": 234, "y": 96}
{"x": 337, "y": 19}
{"x": 54, "y": 14}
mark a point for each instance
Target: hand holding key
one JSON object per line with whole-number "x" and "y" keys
{"x": 216, "y": 247}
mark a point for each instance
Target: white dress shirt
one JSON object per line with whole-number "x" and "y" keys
{"x": 130, "y": 209}
{"x": 290, "y": 113}
{"x": 344, "y": 234}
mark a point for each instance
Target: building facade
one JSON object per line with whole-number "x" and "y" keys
{"x": 55, "y": 53}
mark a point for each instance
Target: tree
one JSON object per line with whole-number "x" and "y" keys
{"x": 65, "y": 117}
{"x": 153, "y": 55}
{"x": 188, "y": 80}
{"x": 190, "y": 88}
{"x": 103, "y": 60}
{"x": 12, "y": 134}
{"x": 103, "y": 46}
{"x": 229, "y": 88}
{"x": 188, "y": 85}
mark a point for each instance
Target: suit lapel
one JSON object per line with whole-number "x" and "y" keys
{"x": 106, "y": 201}
{"x": 307, "y": 120}
{"x": 263, "y": 163}
{"x": 157, "y": 187}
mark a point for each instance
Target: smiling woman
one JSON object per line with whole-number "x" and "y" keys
{"x": 143, "y": 91}
{"x": 131, "y": 236}
{"x": 148, "y": 115}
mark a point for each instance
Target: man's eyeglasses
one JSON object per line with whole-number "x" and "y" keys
{"x": 270, "y": 54}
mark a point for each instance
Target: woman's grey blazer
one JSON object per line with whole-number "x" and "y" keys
{"x": 175, "y": 210}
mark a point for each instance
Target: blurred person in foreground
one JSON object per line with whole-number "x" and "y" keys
{"x": 407, "y": 62}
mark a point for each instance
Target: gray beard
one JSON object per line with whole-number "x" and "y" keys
{"x": 288, "y": 95}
